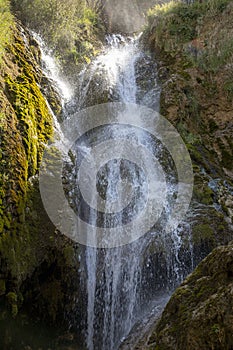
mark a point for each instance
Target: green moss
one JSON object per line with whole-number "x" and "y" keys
{"x": 202, "y": 232}
{"x": 35, "y": 121}
{"x": 25, "y": 126}
{"x": 6, "y": 21}
{"x": 69, "y": 255}
{"x": 203, "y": 194}
{"x": 12, "y": 300}
{"x": 203, "y": 312}
{"x": 202, "y": 291}
{"x": 195, "y": 153}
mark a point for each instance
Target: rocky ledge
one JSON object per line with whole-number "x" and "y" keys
{"x": 199, "y": 315}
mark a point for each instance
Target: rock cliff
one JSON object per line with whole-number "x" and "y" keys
{"x": 192, "y": 44}
{"x": 199, "y": 315}
{"x": 37, "y": 264}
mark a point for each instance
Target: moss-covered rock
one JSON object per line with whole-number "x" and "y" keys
{"x": 26, "y": 125}
{"x": 28, "y": 240}
{"x": 199, "y": 314}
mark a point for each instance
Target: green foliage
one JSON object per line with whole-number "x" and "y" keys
{"x": 175, "y": 18}
{"x": 25, "y": 126}
{"x": 203, "y": 232}
{"x": 215, "y": 328}
{"x": 226, "y": 153}
{"x": 212, "y": 59}
{"x": 178, "y": 21}
{"x": 67, "y": 26}
{"x": 228, "y": 87}
{"x": 6, "y": 21}
{"x": 203, "y": 193}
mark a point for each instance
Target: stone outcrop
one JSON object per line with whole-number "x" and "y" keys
{"x": 199, "y": 315}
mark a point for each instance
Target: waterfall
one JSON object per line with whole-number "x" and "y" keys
{"x": 52, "y": 70}
{"x": 121, "y": 284}
{"x": 118, "y": 278}
{"x": 117, "y": 69}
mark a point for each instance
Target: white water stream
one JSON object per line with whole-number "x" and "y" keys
{"x": 116, "y": 277}
{"x": 122, "y": 283}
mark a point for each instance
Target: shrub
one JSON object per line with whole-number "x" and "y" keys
{"x": 176, "y": 25}
{"x": 180, "y": 18}
{"x": 64, "y": 25}
{"x": 6, "y": 20}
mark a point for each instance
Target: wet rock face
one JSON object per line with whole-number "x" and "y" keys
{"x": 96, "y": 85}
{"x": 147, "y": 81}
{"x": 29, "y": 244}
{"x": 199, "y": 314}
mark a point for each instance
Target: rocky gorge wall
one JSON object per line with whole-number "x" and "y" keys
{"x": 37, "y": 263}
{"x": 196, "y": 97}
{"x": 193, "y": 48}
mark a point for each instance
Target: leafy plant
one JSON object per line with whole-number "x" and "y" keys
{"x": 6, "y": 20}
{"x": 180, "y": 18}
{"x": 64, "y": 25}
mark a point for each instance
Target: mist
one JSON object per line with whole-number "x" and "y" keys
{"x": 128, "y": 16}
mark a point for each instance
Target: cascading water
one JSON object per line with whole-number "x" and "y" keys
{"x": 52, "y": 70}
{"x": 116, "y": 74}
{"x": 123, "y": 283}
{"x": 120, "y": 282}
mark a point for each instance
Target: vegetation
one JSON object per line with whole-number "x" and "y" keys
{"x": 180, "y": 24}
{"x": 27, "y": 237}
{"x": 193, "y": 46}
{"x": 71, "y": 28}
{"x": 6, "y": 21}
{"x": 25, "y": 126}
